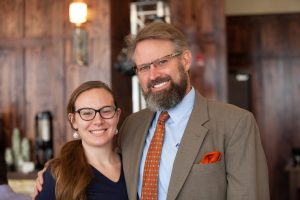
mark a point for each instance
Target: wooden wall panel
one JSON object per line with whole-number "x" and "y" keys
{"x": 120, "y": 27}
{"x": 44, "y": 75}
{"x": 11, "y": 17}
{"x": 280, "y": 101}
{"x": 36, "y": 72}
{"x": 203, "y": 22}
{"x": 45, "y": 89}
{"x": 11, "y": 69}
{"x": 38, "y": 18}
{"x": 269, "y": 47}
{"x": 11, "y": 91}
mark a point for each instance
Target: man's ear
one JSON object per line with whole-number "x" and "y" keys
{"x": 187, "y": 59}
{"x": 119, "y": 111}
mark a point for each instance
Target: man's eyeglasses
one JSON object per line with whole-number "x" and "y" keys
{"x": 88, "y": 114}
{"x": 158, "y": 63}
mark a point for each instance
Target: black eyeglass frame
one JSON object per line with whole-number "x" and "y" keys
{"x": 114, "y": 108}
{"x": 145, "y": 67}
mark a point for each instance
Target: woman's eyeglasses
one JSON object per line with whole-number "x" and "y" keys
{"x": 88, "y": 114}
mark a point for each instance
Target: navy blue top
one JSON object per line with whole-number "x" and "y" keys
{"x": 100, "y": 187}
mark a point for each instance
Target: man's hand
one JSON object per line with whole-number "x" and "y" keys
{"x": 39, "y": 181}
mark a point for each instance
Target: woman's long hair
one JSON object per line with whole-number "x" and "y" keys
{"x": 71, "y": 170}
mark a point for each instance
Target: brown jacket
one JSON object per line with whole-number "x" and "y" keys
{"x": 240, "y": 174}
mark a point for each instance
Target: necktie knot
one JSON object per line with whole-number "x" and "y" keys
{"x": 163, "y": 117}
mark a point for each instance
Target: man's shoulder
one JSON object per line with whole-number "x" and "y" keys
{"x": 144, "y": 113}
{"x": 226, "y": 111}
{"x": 214, "y": 106}
{"x": 137, "y": 119}
{"x": 133, "y": 124}
{"x": 222, "y": 106}
{"x": 217, "y": 110}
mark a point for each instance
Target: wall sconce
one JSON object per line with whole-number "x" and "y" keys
{"x": 78, "y": 16}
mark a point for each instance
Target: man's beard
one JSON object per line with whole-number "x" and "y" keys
{"x": 168, "y": 98}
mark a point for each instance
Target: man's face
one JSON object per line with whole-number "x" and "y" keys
{"x": 163, "y": 86}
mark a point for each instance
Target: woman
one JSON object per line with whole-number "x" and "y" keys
{"x": 88, "y": 168}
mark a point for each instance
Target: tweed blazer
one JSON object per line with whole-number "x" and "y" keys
{"x": 239, "y": 174}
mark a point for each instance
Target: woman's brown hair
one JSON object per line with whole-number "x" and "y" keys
{"x": 71, "y": 169}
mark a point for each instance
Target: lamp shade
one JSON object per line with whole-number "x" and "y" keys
{"x": 78, "y": 12}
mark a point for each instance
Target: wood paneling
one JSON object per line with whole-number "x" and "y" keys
{"x": 11, "y": 89}
{"x": 120, "y": 27}
{"x": 203, "y": 22}
{"x": 44, "y": 69}
{"x": 269, "y": 47}
{"x": 36, "y": 72}
{"x": 11, "y": 17}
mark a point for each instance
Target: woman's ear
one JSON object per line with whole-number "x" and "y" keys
{"x": 71, "y": 118}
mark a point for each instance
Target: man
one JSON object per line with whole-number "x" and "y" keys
{"x": 210, "y": 150}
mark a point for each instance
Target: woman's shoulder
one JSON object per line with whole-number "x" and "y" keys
{"x": 48, "y": 191}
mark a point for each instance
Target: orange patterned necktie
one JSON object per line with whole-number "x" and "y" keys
{"x": 151, "y": 168}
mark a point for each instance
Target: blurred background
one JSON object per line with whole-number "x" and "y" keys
{"x": 245, "y": 52}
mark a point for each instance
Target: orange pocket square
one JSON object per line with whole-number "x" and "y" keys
{"x": 211, "y": 157}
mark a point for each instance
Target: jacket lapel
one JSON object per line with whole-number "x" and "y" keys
{"x": 133, "y": 160}
{"x": 189, "y": 146}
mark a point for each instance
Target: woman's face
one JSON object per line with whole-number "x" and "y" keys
{"x": 97, "y": 132}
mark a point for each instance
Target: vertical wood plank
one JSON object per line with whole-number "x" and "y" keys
{"x": 11, "y": 68}
{"x": 44, "y": 76}
{"x": 11, "y": 91}
{"x": 11, "y": 16}
{"x": 203, "y": 22}
{"x": 120, "y": 27}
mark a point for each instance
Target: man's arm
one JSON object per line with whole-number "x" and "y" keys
{"x": 246, "y": 165}
{"x": 48, "y": 191}
{"x": 39, "y": 181}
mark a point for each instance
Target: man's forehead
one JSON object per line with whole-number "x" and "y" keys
{"x": 150, "y": 50}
